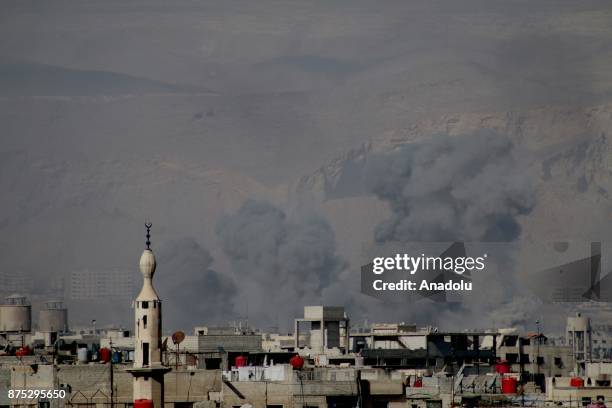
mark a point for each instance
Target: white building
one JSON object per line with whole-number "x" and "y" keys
{"x": 579, "y": 338}
{"x": 329, "y": 329}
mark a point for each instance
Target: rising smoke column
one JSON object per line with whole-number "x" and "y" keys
{"x": 192, "y": 291}
{"x": 469, "y": 188}
{"x": 282, "y": 262}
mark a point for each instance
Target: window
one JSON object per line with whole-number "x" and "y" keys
{"x": 145, "y": 305}
{"x": 145, "y": 354}
{"x": 540, "y": 360}
{"x": 144, "y": 321}
{"x": 509, "y": 341}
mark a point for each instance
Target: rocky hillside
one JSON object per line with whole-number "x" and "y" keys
{"x": 570, "y": 147}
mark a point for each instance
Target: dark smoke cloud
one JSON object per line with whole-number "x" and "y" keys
{"x": 283, "y": 262}
{"x": 468, "y": 188}
{"x": 194, "y": 292}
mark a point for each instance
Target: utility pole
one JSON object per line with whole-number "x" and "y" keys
{"x": 359, "y": 395}
{"x": 112, "y": 385}
{"x": 452, "y": 376}
{"x": 521, "y": 370}
{"x": 538, "y": 349}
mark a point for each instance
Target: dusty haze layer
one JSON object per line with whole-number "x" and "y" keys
{"x": 113, "y": 112}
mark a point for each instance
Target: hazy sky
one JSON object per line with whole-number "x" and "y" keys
{"x": 217, "y": 120}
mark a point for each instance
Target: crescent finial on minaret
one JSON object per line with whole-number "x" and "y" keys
{"x": 148, "y": 226}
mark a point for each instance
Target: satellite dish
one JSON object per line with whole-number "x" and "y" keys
{"x": 178, "y": 337}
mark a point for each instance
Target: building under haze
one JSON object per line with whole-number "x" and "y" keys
{"x": 578, "y": 333}
{"x": 90, "y": 284}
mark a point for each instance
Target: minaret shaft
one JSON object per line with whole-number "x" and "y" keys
{"x": 148, "y": 370}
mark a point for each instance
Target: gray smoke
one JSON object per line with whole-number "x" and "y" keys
{"x": 470, "y": 188}
{"x": 282, "y": 262}
{"x": 195, "y": 293}
{"x": 462, "y": 188}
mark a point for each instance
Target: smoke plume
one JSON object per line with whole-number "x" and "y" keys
{"x": 283, "y": 262}
{"x": 462, "y": 188}
{"x": 196, "y": 293}
{"x": 470, "y": 188}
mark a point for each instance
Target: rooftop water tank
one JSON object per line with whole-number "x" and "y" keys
{"x": 15, "y": 314}
{"x": 117, "y": 357}
{"x": 240, "y": 361}
{"x": 105, "y": 355}
{"x": 502, "y": 367}
{"x": 576, "y": 382}
{"x": 296, "y": 362}
{"x": 509, "y": 385}
{"x": 143, "y": 403}
{"x": 83, "y": 355}
{"x": 53, "y": 317}
{"x": 23, "y": 351}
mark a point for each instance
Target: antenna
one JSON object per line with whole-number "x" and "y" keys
{"x": 148, "y": 226}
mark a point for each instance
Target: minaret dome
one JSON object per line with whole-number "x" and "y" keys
{"x": 147, "y": 263}
{"x": 147, "y": 259}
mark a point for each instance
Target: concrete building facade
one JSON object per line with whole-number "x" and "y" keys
{"x": 329, "y": 328}
{"x": 578, "y": 337}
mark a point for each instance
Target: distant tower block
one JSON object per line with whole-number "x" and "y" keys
{"x": 148, "y": 370}
{"x": 52, "y": 320}
{"x": 579, "y": 338}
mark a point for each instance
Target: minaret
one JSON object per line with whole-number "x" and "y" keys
{"x": 148, "y": 370}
